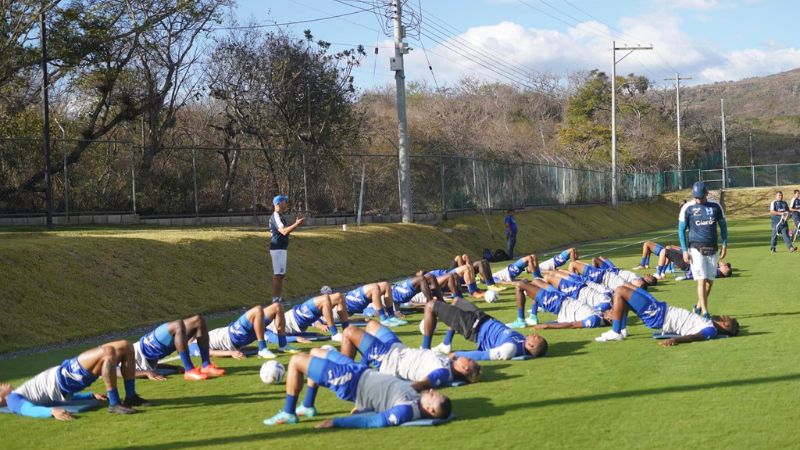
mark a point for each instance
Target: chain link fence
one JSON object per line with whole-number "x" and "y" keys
{"x": 120, "y": 177}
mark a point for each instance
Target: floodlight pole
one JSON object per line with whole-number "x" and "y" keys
{"x": 46, "y": 120}
{"x": 724, "y": 145}
{"x": 614, "y": 199}
{"x": 396, "y": 64}
{"x": 677, "y": 80}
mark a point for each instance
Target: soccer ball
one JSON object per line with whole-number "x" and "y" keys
{"x": 491, "y": 296}
{"x": 325, "y": 290}
{"x": 272, "y": 372}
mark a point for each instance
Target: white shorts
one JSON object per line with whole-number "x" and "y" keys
{"x": 628, "y": 276}
{"x": 418, "y": 299}
{"x": 220, "y": 339}
{"x": 548, "y": 265}
{"x": 703, "y": 267}
{"x": 142, "y": 364}
{"x": 290, "y": 327}
{"x": 574, "y": 311}
{"x": 612, "y": 280}
{"x": 593, "y": 297}
{"x": 502, "y": 275}
{"x": 278, "y": 261}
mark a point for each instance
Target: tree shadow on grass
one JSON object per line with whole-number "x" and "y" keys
{"x": 285, "y": 431}
{"x": 221, "y": 399}
{"x": 768, "y": 314}
{"x": 569, "y": 348}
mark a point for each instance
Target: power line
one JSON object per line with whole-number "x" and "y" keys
{"x": 272, "y": 25}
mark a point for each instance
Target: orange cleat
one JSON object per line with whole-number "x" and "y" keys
{"x": 477, "y": 294}
{"x": 194, "y": 375}
{"x": 213, "y": 371}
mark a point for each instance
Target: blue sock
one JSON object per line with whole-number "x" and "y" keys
{"x": 458, "y": 294}
{"x": 624, "y": 322}
{"x": 281, "y": 340}
{"x": 448, "y": 337}
{"x": 204, "y": 356}
{"x": 537, "y": 273}
{"x": 345, "y": 325}
{"x": 426, "y": 341}
{"x": 472, "y": 287}
{"x": 262, "y": 345}
{"x": 616, "y": 326}
{"x": 382, "y": 314}
{"x": 311, "y": 396}
{"x": 521, "y": 313}
{"x": 186, "y": 360}
{"x": 660, "y": 270}
{"x": 291, "y": 404}
{"x": 490, "y": 281}
{"x": 130, "y": 388}
{"x": 113, "y": 397}
{"x": 333, "y": 330}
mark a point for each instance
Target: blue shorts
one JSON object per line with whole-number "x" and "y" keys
{"x": 356, "y": 300}
{"x": 373, "y": 350}
{"x": 72, "y": 377}
{"x": 306, "y": 314}
{"x": 241, "y": 331}
{"x": 342, "y": 379}
{"x": 561, "y": 258}
{"x": 650, "y": 310}
{"x": 657, "y": 249}
{"x": 404, "y": 291}
{"x": 157, "y": 343}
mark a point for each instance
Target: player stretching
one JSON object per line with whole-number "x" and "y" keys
{"x": 385, "y": 399}
{"x": 375, "y": 294}
{"x": 64, "y": 383}
{"x": 298, "y": 319}
{"x": 611, "y": 278}
{"x": 659, "y": 315}
{"x": 495, "y": 340}
{"x": 570, "y": 313}
{"x": 593, "y": 294}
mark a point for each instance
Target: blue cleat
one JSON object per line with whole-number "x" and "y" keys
{"x": 281, "y": 418}
{"x": 306, "y": 411}
{"x": 519, "y": 323}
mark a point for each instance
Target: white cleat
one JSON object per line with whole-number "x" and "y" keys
{"x": 609, "y": 335}
{"x": 337, "y": 337}
{"x": 442, "y": 348}
{"x": 624, "y": 332}
{"x": 266, "y": 354}
{"x": 640, "y": 267}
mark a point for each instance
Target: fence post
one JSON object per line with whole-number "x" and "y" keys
{"x": 699, "y": 175}
{"x": 488, "y": 191}
{"x": 66, "y": 179}
{"x": 253, "y": 186}
{"x": 133, "y": 177}
{"x": 361, "y": 194}
{"x": 353, "y": 179}
{"x": 194, "y": 179}
{"x": 753, "y": 171}
{"x": 305, "y": 182}
{"x": 444, "y": 203}
{"x": 776, "y": 174}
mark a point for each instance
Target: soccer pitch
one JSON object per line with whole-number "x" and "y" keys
{"x": 737, "y": 393}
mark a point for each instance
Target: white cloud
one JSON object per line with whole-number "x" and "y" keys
{"x": 753, "y": 62}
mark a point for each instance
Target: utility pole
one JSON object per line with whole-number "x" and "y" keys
{"x": 614, "y": 199}
{"x": 677, "y": 80}
{"x": 751, "y": 148}
{"x": 724, "y": 146}
{"x": 396, "y": 64}
{"x": 46, "y": 120}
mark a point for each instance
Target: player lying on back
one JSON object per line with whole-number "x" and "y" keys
{"x": 570, "y": 254}
{"x": 659, "y": 315}
{"x": 463, "y": 274}
{"x": 386, "y": 400}
{"x": 382, "y": 349}
{"x": 570, "y": 313}
{"x": 512, "y": 271}
{"x": 379, "y": 296}
{"x": 175, "y": 336}
{"x": 595, "y": 295}
{"x": 495, "y": 340}
{"x": 650, "y": 248}
{"x": 64, "y": 383}
{"x": 480, "y": 267}
{"x": 325, "y": 306}
{"x": 611, "y": 278}
{"x": 724, "y": 270}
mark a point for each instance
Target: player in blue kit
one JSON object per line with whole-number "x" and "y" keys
{"x": 382, "y": 349}
{"x": 779, "y": 212}
{"x": 375, "y": 294}
{"x": 495, "y": 340}
{"x": 230, "y": 340}
{"x": 570, "y": 312}
{"x": 512, "y": 271}
{"x": 595, "y": 295}
{"x": 175, "y": 336}
{"x": 659, "y": 315}
{"x": 558, "y": 260}
{"x": 611, "y": 278}
{"x": 63, "y": 383}
{"x": 326, "y": 306}
{"x": 385, "y": 399}
{"x": 701, "y": 218}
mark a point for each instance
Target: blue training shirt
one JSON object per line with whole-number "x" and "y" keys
{"x": 493, "y": 333}
{"x": 356, "y": 300}
{"x": 511, "y": 226}
{"x": 701, "y": 221}
{"x": 571, "y": 286}
{"x": 278, "y": 241}
{"x": 306, "y": 314}
{"x": 404, "y": 291}
{"x": 241, "y": 331}
{"x": 548, "y": 299}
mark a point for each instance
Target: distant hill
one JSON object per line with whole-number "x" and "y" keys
{"x": 768, "y": 107}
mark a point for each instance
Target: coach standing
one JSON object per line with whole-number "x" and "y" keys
{"x": 700, "y": 218}
{"x": 794, "y": 207}
{"x": 511, "y": 232}
{"x": 779, "y": 212}
{"x": 279, "y": 243}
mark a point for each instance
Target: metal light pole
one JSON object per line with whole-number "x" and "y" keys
{"x": 677, "y": 80}
{"x": 724, "y": 146}
{"x": 614, "y": 200}
{"x": 46, "y": 120}
{"x": 396, "y": 64}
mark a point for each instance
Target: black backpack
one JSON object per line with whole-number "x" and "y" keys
{"x": 487, "y": 255}
{"x": 500, "y": 255}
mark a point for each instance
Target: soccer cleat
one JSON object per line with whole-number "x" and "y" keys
{"x": 477, "y": 294}
{"x": 772, "y": 249}
{"x": 497, "y": 287}
{"x": 194, "y": 375}
{"x": 793, "y": 249}
{"x": 337, "y": 337}
{"x": 609, "y": 335}
{"x": 121, "y": 409}
{"x": 442, "y": 348}
{"x": 266, "y": 354}
{"x": 136, "y": 401}
{"x": 532, "y": 319}
{"x": 680, "y": 278}
{"x": 659, "y": 276}
{"x": 519, "y": 323}
{"x": 624, "y": 332}
{"x": 389, "y": 323}
{"x": 640, "y": 267}
{"x": 212, "y": 370}
{"x": 697, "y": 310}
{"x": 288, "y": 349}
{"x": 306, "y": 411}
{"x": 707, "y": 315}
{"x": 281, "y": 418}
{"x": 398, "y": 321}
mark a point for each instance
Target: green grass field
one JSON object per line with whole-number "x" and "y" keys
{"x": 727, "y": 393}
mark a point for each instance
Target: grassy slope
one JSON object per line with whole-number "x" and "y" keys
{"x": 754, "y": 202}
{"x": 729, "y": 393}
{"x": 130, "y": 277}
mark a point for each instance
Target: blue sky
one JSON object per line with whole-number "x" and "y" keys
{"x": 501, "y": 40}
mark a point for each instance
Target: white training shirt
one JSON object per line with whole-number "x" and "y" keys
{"x": 683, "y": 322}
{"x": 413, "y": 363}
{"x": 43, "y": 388}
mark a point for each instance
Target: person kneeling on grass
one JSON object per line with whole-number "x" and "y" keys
{"x": 659, "y": 315}
{"x": 175, "y": 336}
{"x": 382, "y": 349}
{"x": 299, "y": 318}
{"x": 229, "y": 341}
{"x": 64, "y": 383}
{"x": 570, "y": 313}
{"x": 495, "y": 340}
{"x": 388, "y": 400}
